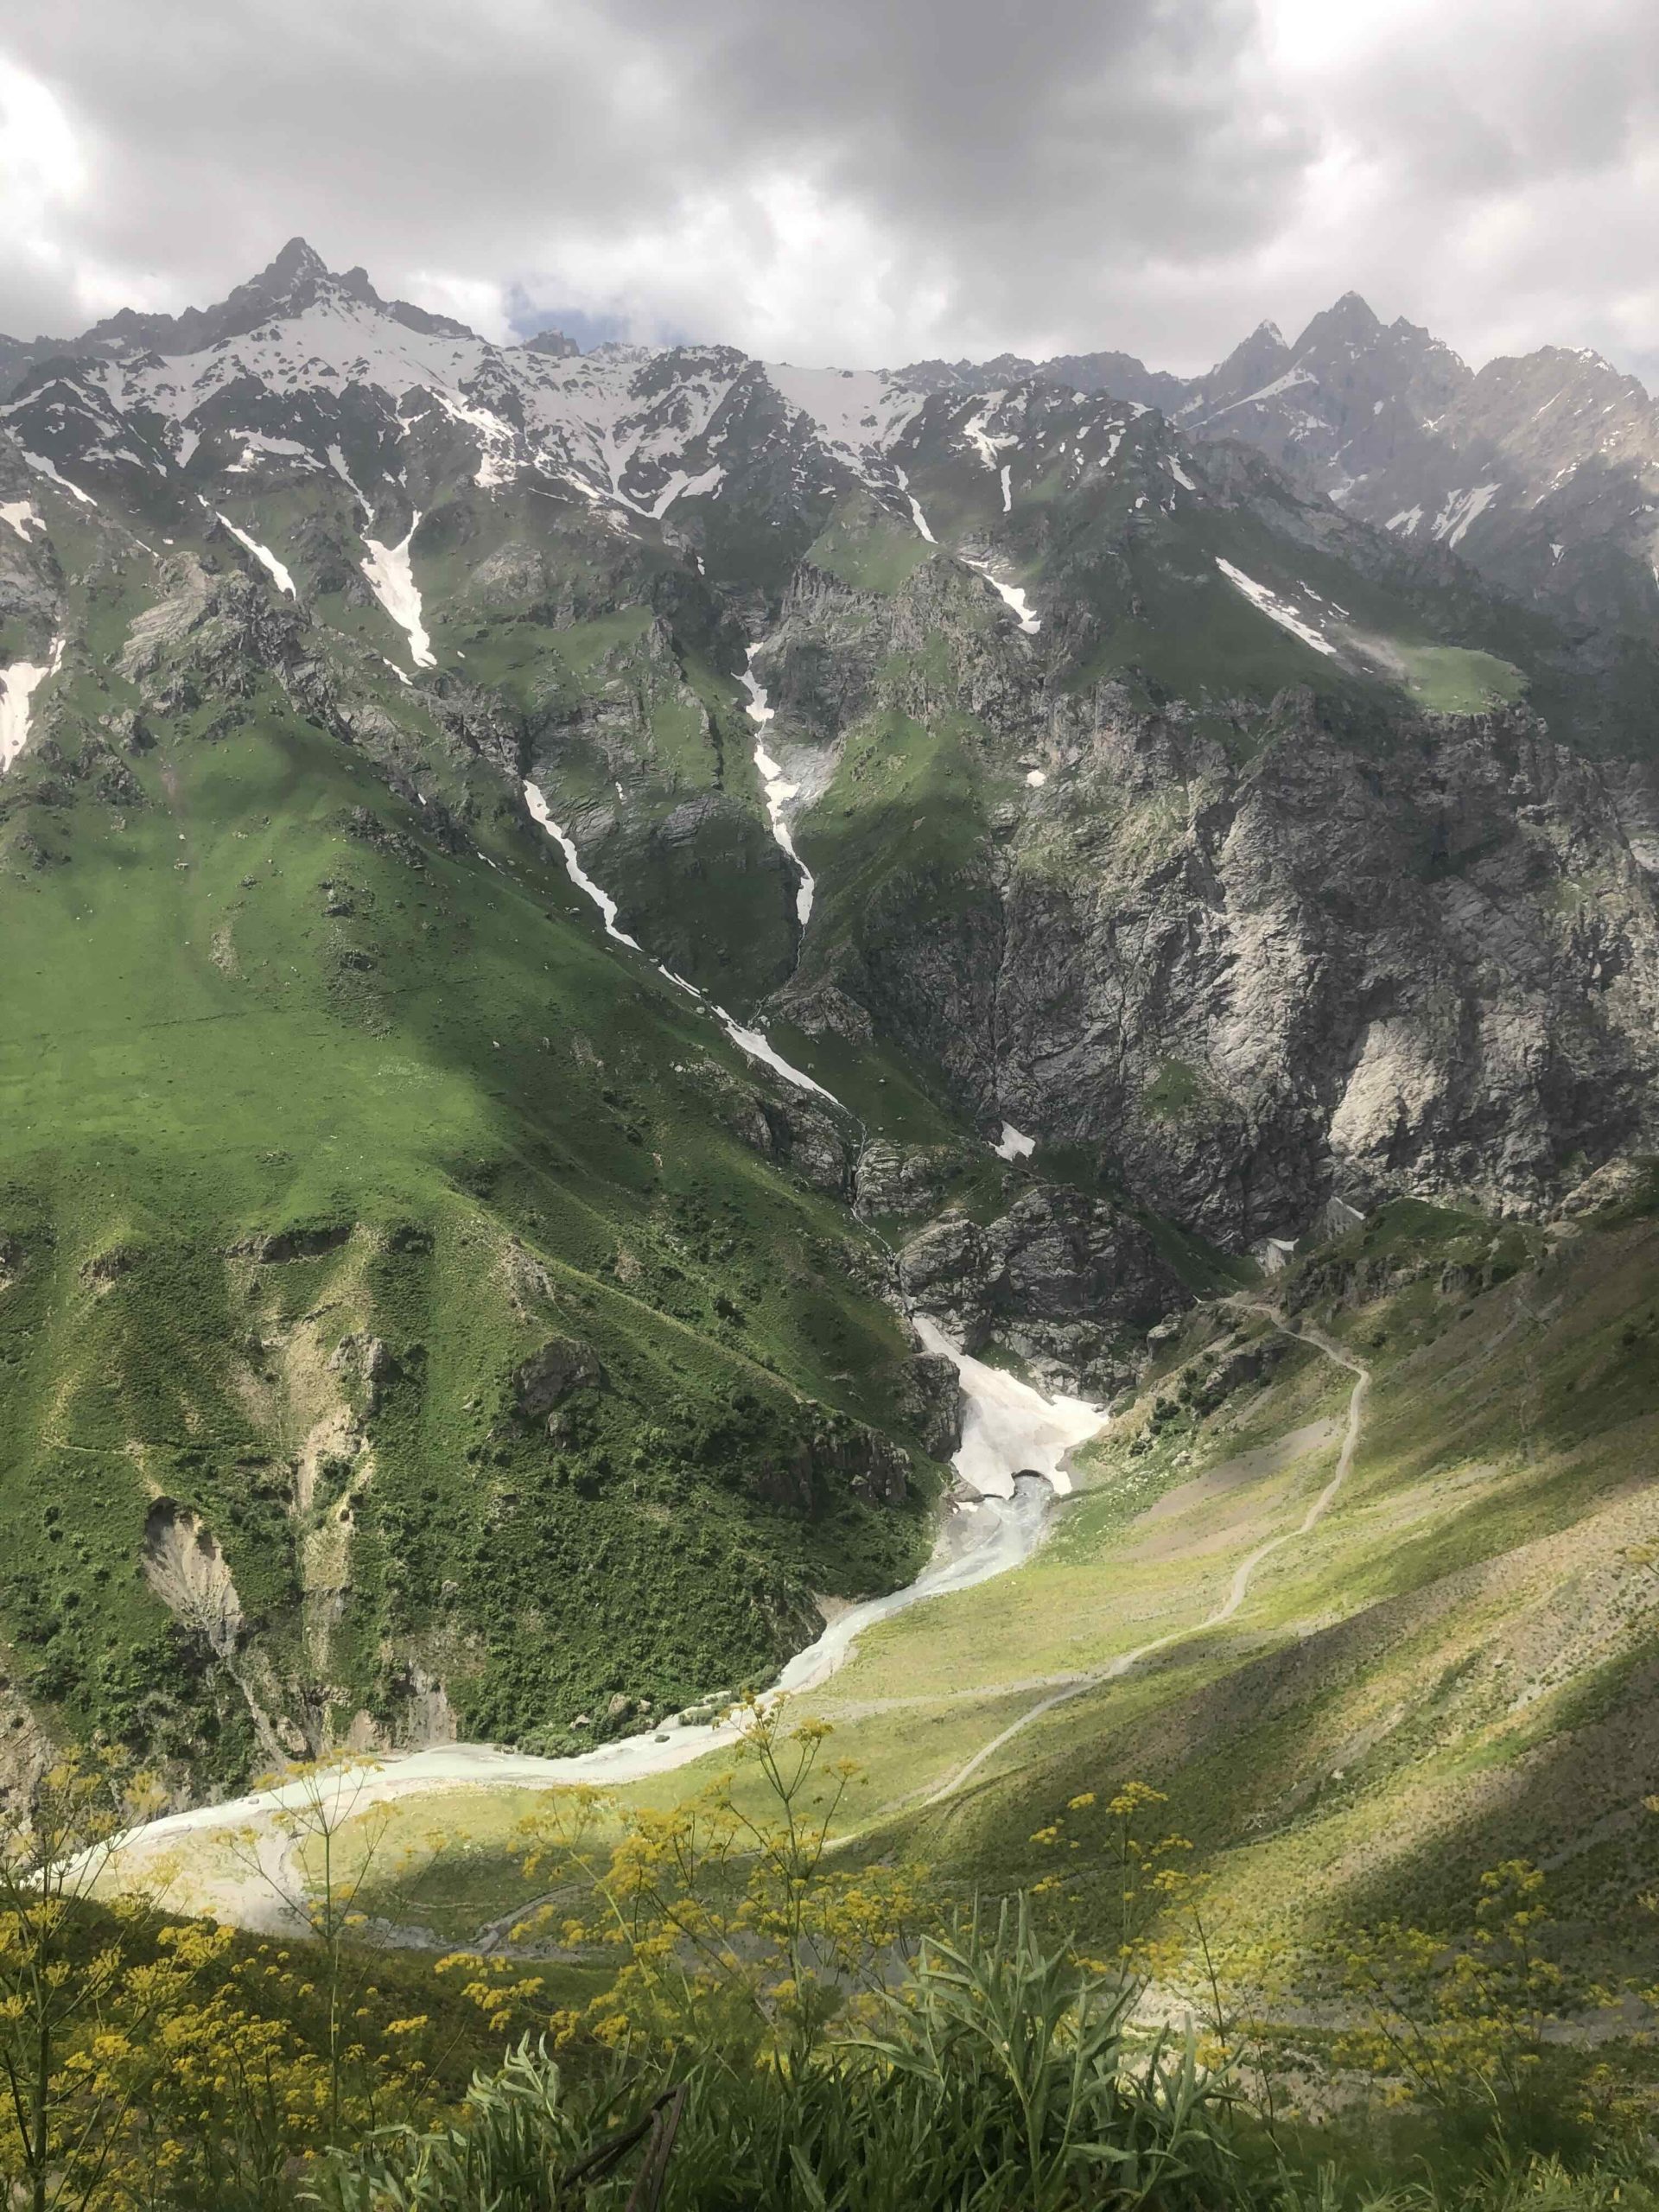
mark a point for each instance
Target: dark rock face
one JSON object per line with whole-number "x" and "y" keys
{"x": 549, "y": 1376}
{"x": 929, "y": 1396}
{"x": 874, "y": 1468}
{"x": 1068, "y": 1280}
{"x": 902, "y": 1180}
{"x": 307, "y": 1241}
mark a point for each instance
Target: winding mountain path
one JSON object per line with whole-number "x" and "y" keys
{"x": 1239, "y": 1588}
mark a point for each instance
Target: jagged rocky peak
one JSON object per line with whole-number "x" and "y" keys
{"x": 553, "y": 344}
{"x": 1123, "y": 375}
{"x": 1566, "y": 380}
{"x": 298, "y": 263}
{"x": 1351, "y": 321}
{"x": 1261, "y": 360}
{"x": 1394, "y": 361}
{"x": 296, "y": 279}
{"x": 943, "y": 375}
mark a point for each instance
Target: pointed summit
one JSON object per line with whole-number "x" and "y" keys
{"x": 1249, "y": 370}
{"x": 298, "y": 260}
{"x": 295, "y": 280}
{"x": 287, "y": 285}
{"x": 1350, "y": 323}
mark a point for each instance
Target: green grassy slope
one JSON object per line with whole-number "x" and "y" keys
{"x": 281, "y": 1079}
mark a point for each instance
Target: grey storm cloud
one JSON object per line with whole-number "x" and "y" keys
{"x": 857, "y": 180}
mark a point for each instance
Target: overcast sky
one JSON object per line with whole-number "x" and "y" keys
{"x": 854, "y": 180}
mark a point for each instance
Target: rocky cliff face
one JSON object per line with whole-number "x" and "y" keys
{"x": 1246, "y": 968}
{"x": 1070, "y": 1283}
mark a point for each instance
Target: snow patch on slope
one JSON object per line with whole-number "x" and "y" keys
{"x": 391, "y": 577}
{"x": 42, "y": 467}
{"x": 1011, "y": 595}
{"x": 1291, "y": 377}
{"x": 263, "y": 553}
{"x": 858, "y": 412}
{"x": 916, "y": 514}
{"x": 337, "y": 463}
{"x": 18, "y": 685}
{"x": 1275, "y": 608}
{"x": 990, "y": 446}
{"x": 1461, "y": 509}
{"x": 757, "y": 1046}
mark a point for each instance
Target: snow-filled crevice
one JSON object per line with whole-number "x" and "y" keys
{"x": 776, "y": 785}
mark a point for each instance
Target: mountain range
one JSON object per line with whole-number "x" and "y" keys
{"x": 558, "y": 905}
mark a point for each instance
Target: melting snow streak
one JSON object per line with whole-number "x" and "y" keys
{"x": 1011, "y": 595}
{"x": 537, "y": 802}
{"x": 750, "y": 1041}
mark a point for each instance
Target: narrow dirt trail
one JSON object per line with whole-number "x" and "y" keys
{"x": 1238, "y": 1589}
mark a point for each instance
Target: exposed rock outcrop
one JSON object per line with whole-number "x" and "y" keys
{"x": 547, "y": 1377}
{"x": 1069, "y": 1281}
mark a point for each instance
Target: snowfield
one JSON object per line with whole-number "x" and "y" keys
{"x": 1010, "y": 1429}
